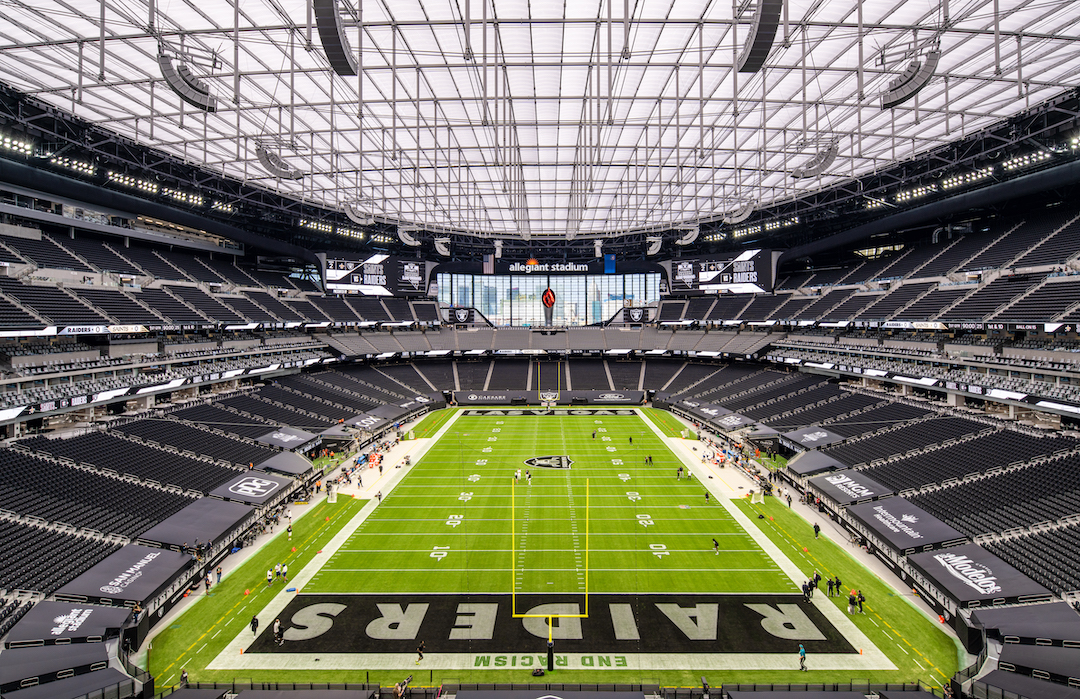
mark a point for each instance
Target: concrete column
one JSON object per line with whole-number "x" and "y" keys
{"x": 955, "y": 400}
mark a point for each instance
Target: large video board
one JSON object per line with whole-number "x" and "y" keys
{"x": 377, "y": 275}
{"x": 751, "y": 271}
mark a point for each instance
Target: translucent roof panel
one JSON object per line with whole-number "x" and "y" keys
{"x": 510, "y": 117}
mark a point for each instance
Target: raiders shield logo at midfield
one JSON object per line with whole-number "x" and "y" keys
{"x": 549, "y": 461}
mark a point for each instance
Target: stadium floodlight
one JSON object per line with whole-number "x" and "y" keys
{"x": 406, "y": 235}
{"x": 914, "y": 78}
{"x": 332, "y": 34}
{"x": 819, "y": 163}
{"x": 655, "y": 243}
{"x": 275, "y": 164}
{"x": 740, "y": 214}
{"x": 762, "y": 34}
{"x": 690, "y": 234}
{"x": 189, "y": 88}
{"x": 357, "y": 216}
{"x": 442, "y": 246}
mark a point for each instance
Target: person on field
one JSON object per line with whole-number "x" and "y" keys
{"x": 802, "y": 658}
{"x": 716, "y": 547}
{"x": 420, "y": 652}
{"x": 254, "y": 625}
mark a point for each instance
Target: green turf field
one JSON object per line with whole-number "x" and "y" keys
{"x": 447, "y": 526}
{"x": 612, "y": 536}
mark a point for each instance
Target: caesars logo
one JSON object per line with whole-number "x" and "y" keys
{"x": 283, "y": 437}
{"x": 975, "y": 575}
{"x": 549, "y": 462}
{"x": 254, "y": 487}
{"x": 461, "y": 315}
{"x": 636, "y": 314}
{"x": 549, "y": 395}
{"x": 814, "y": 436}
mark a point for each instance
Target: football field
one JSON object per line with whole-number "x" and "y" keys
{"x": 517, "y": 527}
{"x": 594, "y": 517}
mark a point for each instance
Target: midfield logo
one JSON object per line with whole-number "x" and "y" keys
{"x": 549, "y": 461}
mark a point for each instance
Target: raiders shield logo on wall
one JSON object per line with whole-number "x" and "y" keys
{"x": 560, "y": 461}
{"x": 636, "y": 314}
{"x": 461, "y": 315}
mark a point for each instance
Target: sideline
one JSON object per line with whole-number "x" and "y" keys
{"x": 241, "y": 641}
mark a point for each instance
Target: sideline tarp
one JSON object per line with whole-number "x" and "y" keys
{"x": 104, "y": 681}
{"x": 286, "y": 462}
{"x": 902, "y": 525}
{"x": 305, "y": 694}
{"x": 848, "y": 486}
{"x": 132, "y": 574}
{"x": 1062, "y": 664}
{"x": 50, "y": 622}
{"x": 812, "y": 437}
{"x": 17, "y": 664}
{"x": 1057, "y": 621}
{"x": 252, "y": 488}
{"x": 286, "y": 438}
{"x": 206, "y": 519}
{"x": 542, "y": 693}
{"x": 971, "y": 573}
{"x": 811, "y": 462}
{"x": 1028, "y": 686}
{"x": 512, "y": 397}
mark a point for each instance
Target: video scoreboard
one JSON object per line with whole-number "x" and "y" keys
{"x": 377, "y": 275}
{"x": 751, "y": 271}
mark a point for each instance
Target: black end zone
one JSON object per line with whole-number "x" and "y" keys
{"x": 685, "y": 623}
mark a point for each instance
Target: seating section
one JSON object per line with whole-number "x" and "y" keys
{"x": 226, "y": 270}
{"x": 963, "y": 249}
{"x": 276, "y": 307}
{"x": 100, "y": 254}
{"x": 117, "y": 306}
{"x": 440, "y": 374}
{"x": 1043, "y": 304}
{"x": 335, "y": 308}
{"x": 151, "y": 263}
{"x": 813, "y": 414}
{"x": 270, "y": 279}
{"x": 10, "y": 314}
{"x": 108, "y": 451}
{"x": 44, "y": 560}
{"x": 729, "y": 306}
{"x": 192, "y": 268}
{"x": 406, "y": 375}
{"x": 306, "y": 310}
{"x": 1014, "y": 498}
{"x": 30, "y": 485}
{"x": 473, "y": 375}
{"x": 46, "y": 253}
{"x": 818, "y": 308}
{"x": 547, "y": 376}
{"x": 903, "y": 439}
{"x": 51, "y": 303}
{"x": 208, "y": 305}
{"x": 246, "y": 308}
{"x": 326, "y": 412}
{"x": 275, "y": 414}
{"x": 851, "y": 307}
{"x": 426, "y": 312}
{"x": 217, "y": 418}
{"x": 931, "y": 305}
{"x": 885, "y": 306}
{"x": 588, "y": 375}
{"x": 183, "y": 436}
{"x": 1051, "y": 558}
{"x": 625, "y": 375}
{"x": 984, "y": 302}
{"x": 978, "y": 455}
{"x": 168, "y": 306}
{"x": 763, "y": 306}
{"x": 1064, "y": 245}
{"x": 399, "y": 309}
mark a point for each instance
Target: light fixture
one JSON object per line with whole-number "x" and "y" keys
{"x": 20, "y": 145}
{"x": 183, "y": 197}
{"x": 1025, "y": 160}
{"x": 779, "y": 223}
{"x": 189, "y": 88}
{"x": 133, "y": 182}
{"x": 915, "y": 192}
{"x": 348, "y": 232}
{"x": 320, "y": 226}
{"x": 80, "y": 166}
{"x": 746, "y": 230}
{"x": 223, "y": 207}
{"x": 967, "y": 178}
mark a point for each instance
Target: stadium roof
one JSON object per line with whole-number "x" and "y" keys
{"x": 541, "y": 119}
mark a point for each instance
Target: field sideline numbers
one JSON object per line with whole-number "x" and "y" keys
{"x": 465, "y": 497}
{"x": 659, "y": 550}
{"x": 454, "y": 520}
{"x": 633, "y": 496}
{"x": 645, "y": 520}
{"x": 439, "y": 552}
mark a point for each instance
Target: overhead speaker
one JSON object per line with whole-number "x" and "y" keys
{"x": 740, "y": 214}
{"x": 762, "y": 34}
{"x": 498, "y": 249}
{"x": 817, "y": 164}
{"x": 405, "y": 234}
{"x": 188, "y": 87}
{"x": 442, "y": 246}
{"x": 356, "y": 215}
{"x": 332, "y": 34}
{"x": 914, "y": 78}
{"x": 276, "y": 165}
{"x": 598, "y": 248}
{"x": 690, "y": 234}
{"x": 655, "y": 243}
